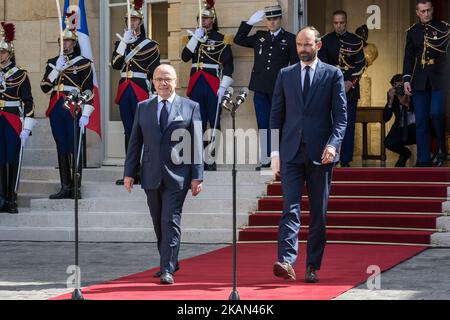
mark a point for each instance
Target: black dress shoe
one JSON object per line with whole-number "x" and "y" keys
{"x": 423, "y": 165}
{"x": 345, "y": 165}
{"x": 210, "y": 167}
{"x": 158, "y": 274}
{"x": 64, "y": 193}
{"x": 284, "y": 270}
{"x": 401, "y": 162}
{"x": 3, "y": 205}
{"x": 119, "y": 182}
{"x": 311, "y": 275}
{"x": 262, "y": 166}
{"x": 439, "y": 160}
{"x": 167, "y": 278}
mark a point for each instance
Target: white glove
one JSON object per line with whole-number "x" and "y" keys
{"x": 258, "y": 16}
{"x": 199, "y": 33}
{"x": 84, "y": 121}
{"x": 221, "y": 92}
{"x": 24, "y": 135}
{"x": 128, "y": 36}
{"x": 61, "y": 63}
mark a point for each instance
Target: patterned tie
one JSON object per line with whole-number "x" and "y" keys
{"x": 163, "y": 117}
{"x": 306, "y": 84}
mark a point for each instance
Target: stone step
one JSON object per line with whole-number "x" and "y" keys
{"x": 441, "y": 239}
{"x": 189, "y": 235}
{"x": 111, "y": 174}
{"x": 46, "y": 157}
{"x": 131, "y": 205}
{"x": 102, "y": 190}
{"x": 443, "y": 223}
{"x": 116, "y": 220}
{"x": 24, "y": 199}
{"x": 42, "y": 135}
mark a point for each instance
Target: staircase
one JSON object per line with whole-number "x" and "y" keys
{"x": 369, "y": 205}
{"x": 109, "y": 214}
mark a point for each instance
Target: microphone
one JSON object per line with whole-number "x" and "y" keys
{"x": 70, "y": 98}
{"x": 241, "y": 97}
{"x": 227, "y": 97}
{"x": 84, "y": 97}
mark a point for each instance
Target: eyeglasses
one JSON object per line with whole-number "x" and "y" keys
{"x": 168, "y": 80}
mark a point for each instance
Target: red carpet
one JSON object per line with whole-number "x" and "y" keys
{"x": 391, "y": 205}
{"x": 209, "y": 276}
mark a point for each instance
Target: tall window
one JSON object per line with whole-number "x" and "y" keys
{"x": 157, "y": 25}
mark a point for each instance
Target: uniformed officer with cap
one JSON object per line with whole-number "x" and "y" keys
{"x": 345, "y": 50}
{"x": 274, "y": 49}
{"x": 211, "y": 71}
{"x": 136, "y": 57}
{"x": 16, "y": 117}
{"x": 65, "y": 74}
{"x": 425, "y": 79}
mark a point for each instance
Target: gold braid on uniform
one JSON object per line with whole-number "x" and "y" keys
{"x": 16, "y": 83}
{"x": 77, "y": 69}
{"x": 348, "y": 52}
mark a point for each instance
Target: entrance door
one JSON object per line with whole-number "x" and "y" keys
{"x": 112, "y": 22}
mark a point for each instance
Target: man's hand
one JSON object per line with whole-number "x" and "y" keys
{"x": 391, "y": 96}
{"x": 257, "y": 17}
{"x": 328, "y": 155}
{"x": 196, "y": 187}
{"x": 408, "y": 89}
{"x": 348, "y": 86}
{"x": 199, "y": 33}
{"x": 128, "y": 183}
{"x": 275, "y": 165}
{"x": 128, "y": 36}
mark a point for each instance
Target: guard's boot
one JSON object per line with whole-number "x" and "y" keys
{"x": 3, "y": 190}
{"x": 120, "y": 181}
{"x": 12, "y": 195}
{"x": 438, "y": 123}
{"x": 66, "y": 178}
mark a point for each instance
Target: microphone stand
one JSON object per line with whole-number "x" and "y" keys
{"x": 234, "y": 294}
{"x": 76, "y": 294}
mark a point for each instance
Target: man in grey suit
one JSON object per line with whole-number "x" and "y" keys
{"x": 161, "y": 126}
{"x": 309, "y": 112}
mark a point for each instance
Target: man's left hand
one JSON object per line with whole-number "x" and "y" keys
{"x": 348, "y": 86}
{"x": 196, "y": 187}
{"x": 328, "y": 155}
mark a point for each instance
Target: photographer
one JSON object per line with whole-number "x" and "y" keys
{"x": 403, "y": 132}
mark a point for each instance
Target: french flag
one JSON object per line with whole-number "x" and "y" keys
{"x": 86, "y": 51}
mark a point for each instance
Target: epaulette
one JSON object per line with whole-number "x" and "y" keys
{"x": 184, "y": 40}
{"x": 227, "y": 39}
{"x": 446, "y": 23}
{"x": 411, "y": 27}
{"x": 156, "y": 42}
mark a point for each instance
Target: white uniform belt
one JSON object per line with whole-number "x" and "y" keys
{"x": 10, "y": 104}
{"x": 131, "y": 74}
{"x": 205, "y": 66}
{"x": 64, "y": 88}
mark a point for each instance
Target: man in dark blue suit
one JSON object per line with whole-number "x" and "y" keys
{"x": 309, "y": 113}
{"x": 169, "y": 130}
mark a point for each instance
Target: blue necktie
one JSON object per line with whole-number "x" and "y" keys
{"x": 163, "y": 117}
{"x": 306, "y": 84}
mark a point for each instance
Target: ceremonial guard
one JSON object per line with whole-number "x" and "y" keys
{"x": 211, "y": 71}
{"x": 16, "y": 118}
{"x": 136, "y": 57}
{"x": 65, "y": 74}
{"x": 425, "y": 79}
{"x": 345, "y": 50}
{"x": 274, "y": 49}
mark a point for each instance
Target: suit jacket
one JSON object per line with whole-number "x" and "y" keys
{"x": 177, "y": 162}
{"x": 318, "y": 122}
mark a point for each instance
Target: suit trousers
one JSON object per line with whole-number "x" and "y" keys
{"x": 263, "y": 103}
{"x": 348, "y": 144}
{"x": 294, "y": 174}
{"x": 165, "y": 209}
{"x": 429, "y": 105}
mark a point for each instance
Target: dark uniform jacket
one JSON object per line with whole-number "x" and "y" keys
{"x": 78, "y": 76}
{"x": 346, "y": 52}
{"x": 270, "y": 57}
{"x": 215, "y": 51}
{"x": 18, "y": 88}
{"x": 426, "y": 55}
{"x": 145, "y": 61}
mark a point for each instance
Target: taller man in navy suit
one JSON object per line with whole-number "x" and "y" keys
{"x": 309, "y": 112}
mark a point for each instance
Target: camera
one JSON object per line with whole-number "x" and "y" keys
{"x": 399, "y": 90}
